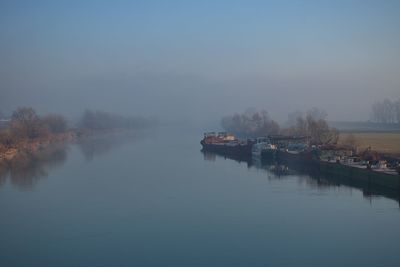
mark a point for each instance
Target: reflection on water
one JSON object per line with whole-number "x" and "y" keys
{"x": 104, "y": 143}
{"x": 211, "y": 156}
{"x": 26, "y": 169}
{"x": 312, "y": 176}
{"x": 156, "y": 202}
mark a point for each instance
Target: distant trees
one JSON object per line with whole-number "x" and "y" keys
{"x": 100, "y": 120}
{"x": 313, "y": 124}
{"x": 25, "y": 123}
{"x": 386, "y": 111}
{"x": 54, "y": 123}
{"x": 251, "y": 123}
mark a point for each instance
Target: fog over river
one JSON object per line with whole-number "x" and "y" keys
{"x": 156, "y": 199}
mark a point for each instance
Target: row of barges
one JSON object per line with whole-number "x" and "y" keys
{"x": 295, "y": 149}
{"x": 268, "y": 147}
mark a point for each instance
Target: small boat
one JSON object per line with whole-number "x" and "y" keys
{"x": 263, "y": 149}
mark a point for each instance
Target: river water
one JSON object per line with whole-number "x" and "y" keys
{"x": 157, "y": 200}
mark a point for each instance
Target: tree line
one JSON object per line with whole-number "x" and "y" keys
{"x": 101, "y": 120}
{"x": 251, "y": 123}
{"x": 314, "y": 125}
{"x": 386, "y": 111}
{"x": 26, "y": 124}
{"x": 311, "y": 124}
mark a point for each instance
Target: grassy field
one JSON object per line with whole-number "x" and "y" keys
{"x": 381, "y": 142}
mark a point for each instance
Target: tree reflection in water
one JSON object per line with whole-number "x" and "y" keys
{"x": 3, "y": 173}
{"x": 26, "y": 169}
{"x": 103, "y": 143}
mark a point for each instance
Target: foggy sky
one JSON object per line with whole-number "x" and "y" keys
{"x": 199, "y": 60}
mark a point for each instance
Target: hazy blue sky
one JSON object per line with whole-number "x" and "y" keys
{"x": 199, "y": 59}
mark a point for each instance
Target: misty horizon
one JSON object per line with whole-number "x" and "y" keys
{"x": 198, "y": 62}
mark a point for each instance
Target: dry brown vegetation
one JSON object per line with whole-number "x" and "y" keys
{"x": 27, "y": 131}
{"x": 388, "y": 143}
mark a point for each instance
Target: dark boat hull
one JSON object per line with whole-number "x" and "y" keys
{"x": 237, "y": 151}
{"x": 308, "y": 157}
{"x": 365, "y": 175}
{"x": 268, "y": 155}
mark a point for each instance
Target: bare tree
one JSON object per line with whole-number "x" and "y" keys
{"x": 250, "y": 124}
{"x": 292, "y": 118}
{"x": 315, "y": 127}
{"x": 386, "y": 111}
{"x": 396, "y": 110}
{"x": 25, "y": 123}
{"x": 317, "y": 114}
{"x": 55, "y": 123}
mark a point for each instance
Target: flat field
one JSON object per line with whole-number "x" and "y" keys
{"x": 381, "y": 142}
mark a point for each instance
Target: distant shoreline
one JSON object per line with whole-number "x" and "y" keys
{"x": 33, "y": 147}
{"x": 365, "y": 127}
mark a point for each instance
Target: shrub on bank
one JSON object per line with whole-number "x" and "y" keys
{"x": 25, "y": 124}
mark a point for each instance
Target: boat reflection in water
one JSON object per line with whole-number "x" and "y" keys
{"x": 311, "y": 175}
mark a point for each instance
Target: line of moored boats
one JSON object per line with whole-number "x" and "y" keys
{"x": 293, "y": 149}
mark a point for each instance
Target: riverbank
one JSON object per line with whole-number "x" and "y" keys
{"x": 25, "y": 132}
{"x": 33, "y": 146}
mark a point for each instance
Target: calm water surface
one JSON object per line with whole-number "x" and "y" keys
{"x": 158, "y": 201}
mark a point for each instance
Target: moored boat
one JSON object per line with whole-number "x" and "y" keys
{"x": 263, "y": 149}
{"x": 227, "y": 144}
